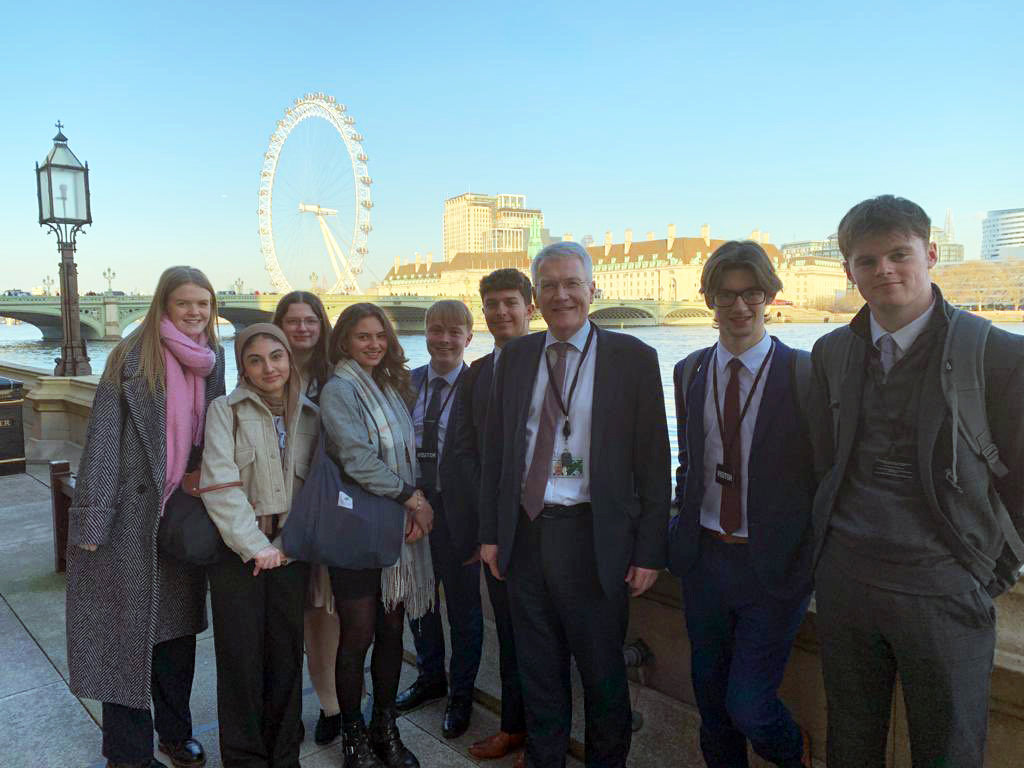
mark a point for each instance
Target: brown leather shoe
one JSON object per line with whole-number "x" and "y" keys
{"x": 498, "y": 745}
{"x": 805, "y": 758}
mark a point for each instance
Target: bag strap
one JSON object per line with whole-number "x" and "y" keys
{"x": 691, "y": 364}
{"x": 801, "y": 376}
{"x": 963, "y": 373}
{"x": 837, "y": 365}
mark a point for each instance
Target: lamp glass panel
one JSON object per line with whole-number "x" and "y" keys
{"x": 68, "y": 194}
{"x": 45, "y": 208}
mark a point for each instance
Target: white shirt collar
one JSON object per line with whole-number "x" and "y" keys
{"x": 905, "y": 336}
{"x": 497, "y": 354}
{"x": 449, "y": 377}
{"x": 751, "y": 359}
{"x": 578, "y": 339}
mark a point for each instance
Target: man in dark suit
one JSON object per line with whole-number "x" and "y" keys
{"x": 741, "y": 542}
{"x": 507, "y": 300}
{"x": 453, "y": 540}
{"x": 914, "y": 524}
{"x": 574, "y": 502}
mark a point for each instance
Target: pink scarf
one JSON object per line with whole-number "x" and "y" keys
{"x": 187, "y": 363}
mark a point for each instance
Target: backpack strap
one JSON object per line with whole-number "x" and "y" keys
{"x": 691, "y": 363}
{"x": 963, "y": 386}
{"x": 801, "y": 377}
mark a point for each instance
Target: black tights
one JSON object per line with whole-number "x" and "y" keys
{"x": 364, "y": 621}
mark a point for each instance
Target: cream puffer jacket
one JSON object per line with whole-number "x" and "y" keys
{"x": 241, "y": 445}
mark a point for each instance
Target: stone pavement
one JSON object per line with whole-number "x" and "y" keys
{"x": 43, "y": 725}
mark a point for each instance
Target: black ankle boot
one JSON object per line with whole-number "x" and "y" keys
{"x": 357, "y": 750}
{"x": 387, "y": 742}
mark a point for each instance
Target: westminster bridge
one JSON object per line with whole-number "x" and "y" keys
{"x": 106, "y": 317}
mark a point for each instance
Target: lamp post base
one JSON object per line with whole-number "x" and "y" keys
{"x": 73, "y": 360}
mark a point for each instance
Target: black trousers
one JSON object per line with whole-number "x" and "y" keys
{"x": 257, "y": 635}
{"x": 513, "y": 714}
{"x": 560, "y": 610}
{"x": 128, "y": 732}
{"x": 941, "y": 646}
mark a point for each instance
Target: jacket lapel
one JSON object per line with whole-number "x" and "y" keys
{"x": 773, "y": 397}
{"x": 525, "y": 377}
{"x": 850, "y": 402}
{"x": 147, "y": 412}
{"x": 603, "y": 405}
{"x": 696, "y": 393}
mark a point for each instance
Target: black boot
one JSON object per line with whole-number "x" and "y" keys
{"x": 357, "y": 750}
{"x": 387, "y": 742}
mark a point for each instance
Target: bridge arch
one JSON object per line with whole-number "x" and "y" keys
{"x": 621, "y": 313}
{"x": 50, "y": 325}
{"x": 688, "y": 313}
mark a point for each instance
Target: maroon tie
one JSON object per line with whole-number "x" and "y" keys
{"x": 540, "y": 466}
{"x": 731, "y": 511}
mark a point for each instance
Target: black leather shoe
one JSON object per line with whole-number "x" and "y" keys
{"x": 419, "y": 693}
{"x": 456, "y": 716}
{"x": 327, "y": 728}
{"x": 357, "y": 750}
{"x": 387, "y": 742}
{"x": 154, "y": 763}
{"x": 185, "y": 754}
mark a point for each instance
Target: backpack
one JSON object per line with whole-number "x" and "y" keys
{"x": 962, "y": 378}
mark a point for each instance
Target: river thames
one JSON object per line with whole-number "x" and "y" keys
{"x": 22, "y": 344}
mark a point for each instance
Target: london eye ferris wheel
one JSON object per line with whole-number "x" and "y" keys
{"x": 314, "y": 199}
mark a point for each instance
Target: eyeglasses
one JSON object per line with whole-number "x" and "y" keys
{"x": 570, "y": 285}
{"x": 751, "y": 297}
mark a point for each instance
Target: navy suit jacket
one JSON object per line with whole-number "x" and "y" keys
{"x": 630, "y": 464}
{"x": 780, "y": 479}
{"x": 462, "y": 529}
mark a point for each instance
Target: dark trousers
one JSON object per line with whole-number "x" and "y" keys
{"x": 128, "y": 732}
{"x": 465, "y": 615}
{"x": 558, "y": 610}
{"x": 740, "y": 638}
{"x": 513, "y": 714}
{"x": 942, "y": 647}
{"x": 257, "y": 633}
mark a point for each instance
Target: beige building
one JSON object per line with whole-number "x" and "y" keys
{"x": 475, "y": 223}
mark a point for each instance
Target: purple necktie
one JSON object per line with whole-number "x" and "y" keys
{"x": 540, "y": 467}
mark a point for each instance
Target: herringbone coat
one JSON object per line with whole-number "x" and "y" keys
{"x": 125, "y": 597}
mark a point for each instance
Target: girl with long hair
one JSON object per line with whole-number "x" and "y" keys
{"x": 132, "y": 612}
{"x": 259, "y": 442}
{"x": 370, "y": 435}
{"x": 302, "y": 317}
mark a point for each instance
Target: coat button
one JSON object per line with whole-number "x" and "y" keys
{"x": 141, "y": 489}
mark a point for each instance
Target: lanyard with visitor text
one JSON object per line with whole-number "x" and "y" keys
{"x": 424, "y": 387}
{"x": 566, "y": 429}
{"x": 727, "y": 444}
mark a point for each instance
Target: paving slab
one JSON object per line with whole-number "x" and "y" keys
{"x": 24, "y": 665}
{"x": 47, "y": 728}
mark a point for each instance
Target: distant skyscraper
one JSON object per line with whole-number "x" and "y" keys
{"x": 1002, "y": 234}
{"x": 949, "y": 251}
{"x": 495, "y": 223}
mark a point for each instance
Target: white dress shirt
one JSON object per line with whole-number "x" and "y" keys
{"x": 420, "y": 408}
{"x": 710, "y": 509}
{"x": 566, "y": 490}
{"x": 905, "y": 336}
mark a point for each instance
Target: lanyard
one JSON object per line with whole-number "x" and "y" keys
{"x": 566, "y": 429}
{"x": 727, "y": 444}
{"x": 451, "y": 391}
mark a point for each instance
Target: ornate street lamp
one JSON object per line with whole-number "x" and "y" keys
{"x": 109, "y": 275}
{"x": 62, "y": 184}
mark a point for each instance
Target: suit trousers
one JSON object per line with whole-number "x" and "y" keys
{"x": 513, "y": 715}
{"x": 560, "y": 610}
{"x": 465, "y": 615}
{"x": 257, "y": 633}
{"x": 941, "y": 646}
{"x": 740, "y": 639}
{"x": 128, "y": 732}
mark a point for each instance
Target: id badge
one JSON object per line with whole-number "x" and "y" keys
{"x": 567, "y": 465}
{"x": 893, "y": 468}
{"x": 724, "y": 475}
{"x": 426, "y": 456}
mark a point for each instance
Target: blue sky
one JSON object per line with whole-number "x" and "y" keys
{"x": 606, "y": 115}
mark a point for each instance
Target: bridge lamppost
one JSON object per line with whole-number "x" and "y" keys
{"x": 62, "y": 187}
{"x": 47, "y": 284}
{"x": 109, "y": 275}
{"x": 239, "y": 285}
